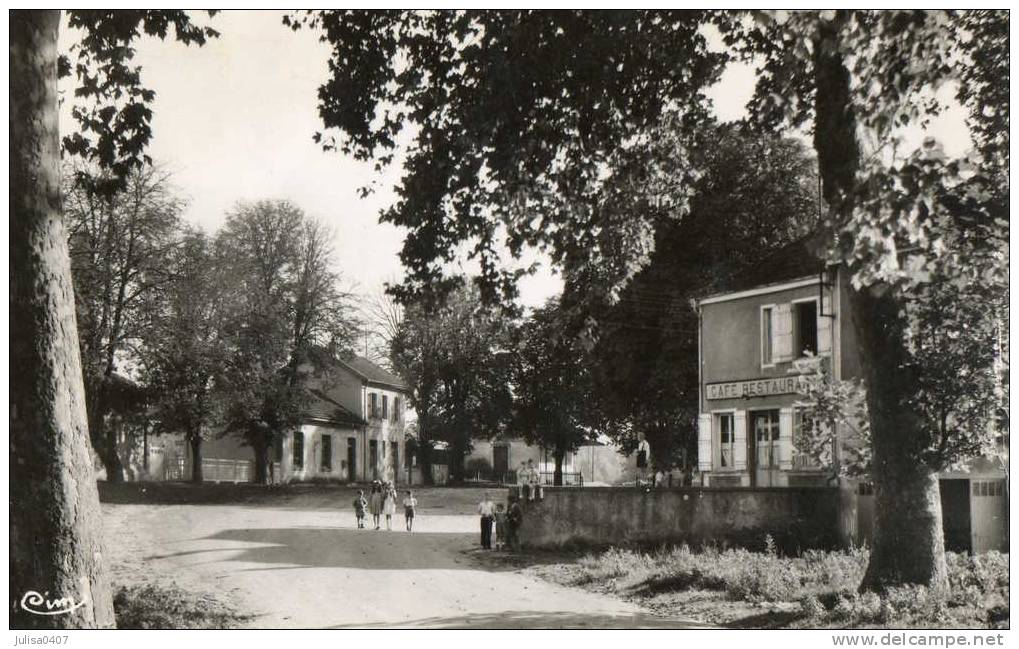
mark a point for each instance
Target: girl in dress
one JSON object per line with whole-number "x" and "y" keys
{"x": 375, "y": 503}
{"x": 389, "y": 504}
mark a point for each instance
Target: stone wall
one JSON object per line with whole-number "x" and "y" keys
{"x": 796, "y": 518}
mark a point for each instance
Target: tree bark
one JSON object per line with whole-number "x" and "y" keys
{"x": 56, "y": 545}
{"x": 197, "y": 475}
{"x": 908, "y": 546}
{"x": 557, "y": 477}
{"x": 261, "y": 463}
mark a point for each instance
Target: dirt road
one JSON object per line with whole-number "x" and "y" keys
{"x": 303, "y": 564}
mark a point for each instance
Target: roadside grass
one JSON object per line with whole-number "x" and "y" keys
{"x": 152, "y": 606}
{"x": 817, "y": 589}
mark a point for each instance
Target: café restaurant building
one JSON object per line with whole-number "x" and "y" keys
{"x": 757, "y": 344}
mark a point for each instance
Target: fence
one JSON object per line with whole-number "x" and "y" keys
{"x": 569, "y": 479}
{"x": 213, "y": 470}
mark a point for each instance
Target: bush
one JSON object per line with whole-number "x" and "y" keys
{"x": 152, "y": 606}
{"x": 824, "y": 583}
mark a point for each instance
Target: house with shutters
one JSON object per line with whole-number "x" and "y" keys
{"x": 757, "y": 342}
{"x": 351, "y": 430}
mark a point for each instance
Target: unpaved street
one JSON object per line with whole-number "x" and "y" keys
{"x": 303, "y": 564}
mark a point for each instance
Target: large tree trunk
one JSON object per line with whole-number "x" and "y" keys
{"x": 908, "y": 546}
{"x": 195, "y": 440}
{"x": 557, "y": 477}
{"x": 261, "y": 463}
{"x": 104, "y": 437}
{"x": 56, "y": 544}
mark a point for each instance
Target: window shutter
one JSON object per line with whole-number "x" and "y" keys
{"x": 704, "y": 442}
{"x": 785, "y": 439}
{"x": 782, "y": 350}
{"x": 739, "y": 450}
{"x": 824, "y": 324}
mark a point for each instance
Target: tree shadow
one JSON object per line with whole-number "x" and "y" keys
{"x": 538, "y": 620}
{"x": 337, "y": 547}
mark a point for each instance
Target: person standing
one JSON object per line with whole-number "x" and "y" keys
{"x": 643, "y": 459}
{"x": 514, "y": 518}
{"x": 359, "y": 506}
{"x": 375, "y": 503}
{"x": 389, "y": 504}
{"x": 410, "y": 503}
{"x": 486, "y": 508}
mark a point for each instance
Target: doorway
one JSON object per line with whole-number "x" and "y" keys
{"x": 762, "y": 448}
{"x": 373, "y": 458}
{"x": 351, "y": 459}
{"x": 955, "y": 513}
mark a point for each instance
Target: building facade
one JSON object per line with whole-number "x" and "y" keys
{"x": 757, "y": 344}
{"x": 351, "y": 430}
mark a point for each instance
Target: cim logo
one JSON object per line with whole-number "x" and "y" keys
{"x": 40, "y": 604}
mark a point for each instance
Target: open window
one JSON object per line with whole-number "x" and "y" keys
{"x": 804, "y": 329}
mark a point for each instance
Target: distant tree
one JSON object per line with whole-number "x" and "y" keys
{"x": 55, "y": 538}
{"x": 121, "y": 243}
{"x": 554, "y": 405}
{"x": 753, "y": 194}
{"x": 287, "y": 302}
{"x": 454, "y": 356}
{"x": 383, "y": 317}
{"x": 184, "y": 352}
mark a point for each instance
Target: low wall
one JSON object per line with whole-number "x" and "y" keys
{"x": 797, "y": 518}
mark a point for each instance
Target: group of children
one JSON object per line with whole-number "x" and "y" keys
{"x": 382, "y": 500}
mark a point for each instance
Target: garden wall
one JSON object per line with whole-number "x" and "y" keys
{"x": 796, "y": 518}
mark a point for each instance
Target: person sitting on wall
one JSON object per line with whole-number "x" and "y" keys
{"x": 523, "y": 481}
{"x": 534, "y": 479}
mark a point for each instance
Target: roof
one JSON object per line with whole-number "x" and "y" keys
{"x": 325, "y": 407}
{"x": 372, "y": 373}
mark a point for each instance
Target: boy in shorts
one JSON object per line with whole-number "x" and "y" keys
{"x": 409, "y": 504}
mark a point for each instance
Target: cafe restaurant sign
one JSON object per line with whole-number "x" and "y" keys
{"x": 756, "y": 388}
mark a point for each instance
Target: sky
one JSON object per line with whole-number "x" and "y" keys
{"x": 234, "y": 120}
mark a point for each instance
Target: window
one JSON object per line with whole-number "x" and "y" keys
{"x": 327, "y": 453}
{"x": 765, "y": 427}
{"x": 385, "y": 406}
{"x": 396, "y": 409}
{"x": 373, "y": 405}
{"x": 298, "y": 450}
{"x": 726, "y": 439}
{"x": 805, "y": 328}
{"x": 767, "y": 336}
{"x": 988, "y": 488}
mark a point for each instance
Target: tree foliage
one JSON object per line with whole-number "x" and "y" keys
{"x": 519, "y": 116}
{"x": 184, "y": 353}
{"x": 286, "y": 303}
{"x": 554, "y": 405}
{"x": 121, "y": 244}
{"x": 753, "y": 194}
{"x": 454, "y": 354}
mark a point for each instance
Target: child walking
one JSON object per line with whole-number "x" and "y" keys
{"x": 389, "y": 504}
{"x": 359, "y": 504}
{"x": 409, "y": 504}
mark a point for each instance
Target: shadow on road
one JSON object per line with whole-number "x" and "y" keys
{"x": 335, "y": 547}
{"x": 538, "y": 620}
